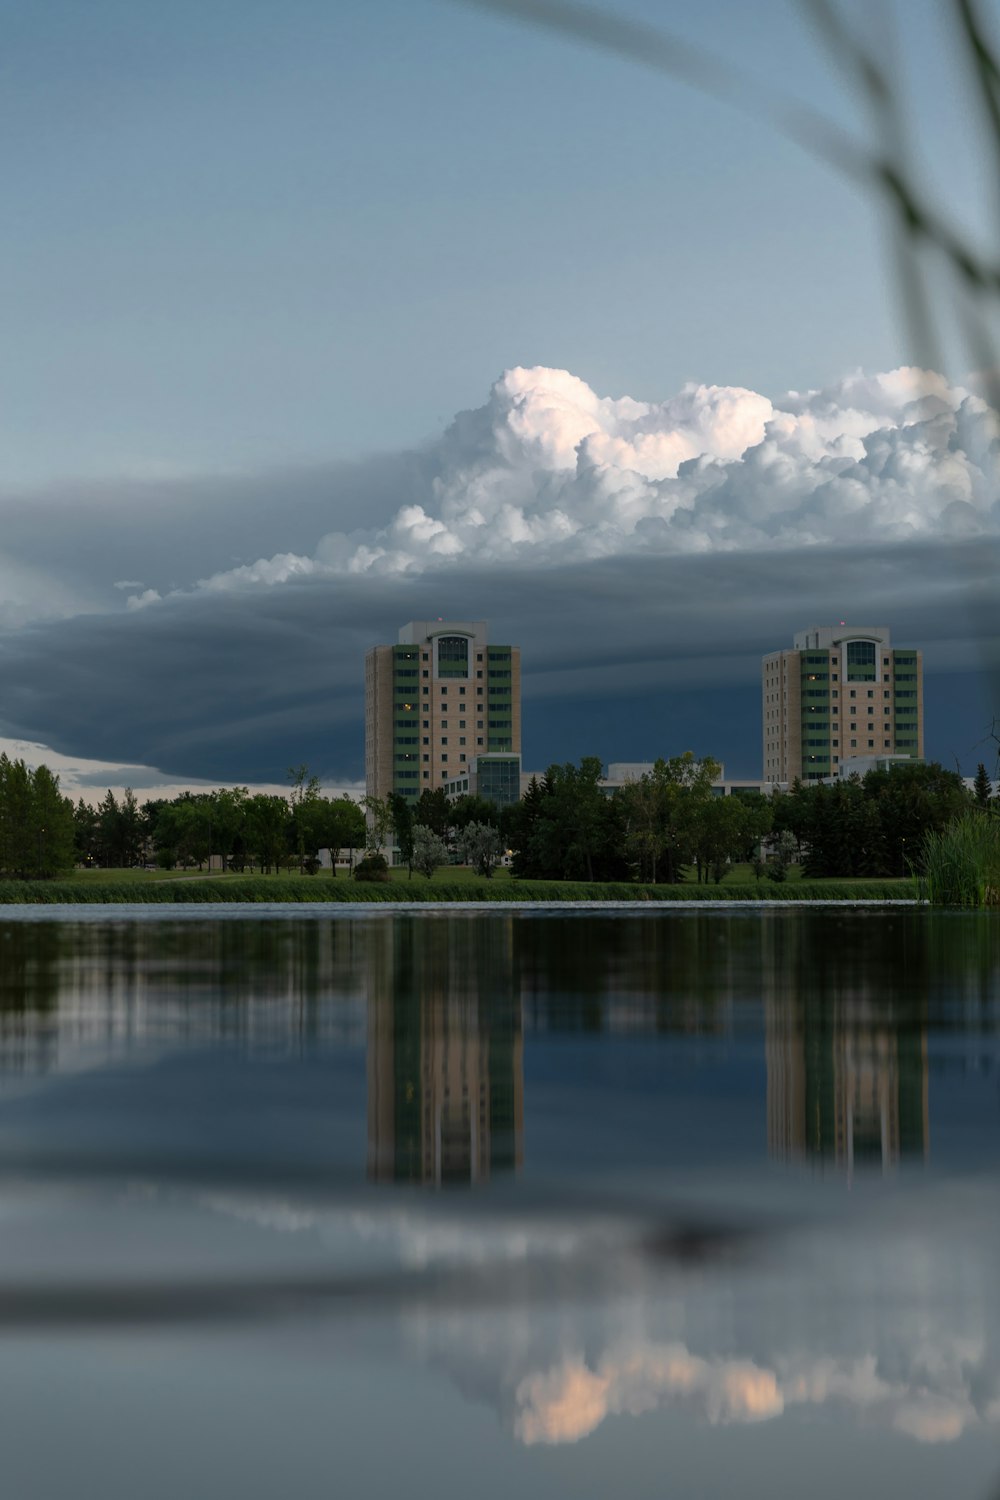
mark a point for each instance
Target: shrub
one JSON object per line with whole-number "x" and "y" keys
{"x": 373, "y": 867}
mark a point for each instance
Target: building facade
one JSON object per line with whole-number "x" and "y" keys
{"x": 841, "y": 692}
{"x": 620, "y": 773}
{"x": 440, "y": 699}
{"x": 496, "y": 778}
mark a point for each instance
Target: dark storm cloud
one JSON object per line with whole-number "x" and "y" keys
{"x": 623, "y": 657}
{"x": 135, "y": 534}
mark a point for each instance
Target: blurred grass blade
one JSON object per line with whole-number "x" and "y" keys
{"x": 659, "y": 50}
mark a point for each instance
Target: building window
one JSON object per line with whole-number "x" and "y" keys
{"x": 425, "y": 673}
{"x": 479, "y": 723}
{"x": 888, "y": 744}
{"x": 461, "y": 741}
{"x": 461, "y": 757}
{"x": 479, "y": 691}
{"x": 871, "y": 692}
{"x": 854, "y": 726}
{"x": 444, "y": 758}
{"x": 854, "y": 744}
{"x": 427, "y": 739}
{"x": 444, "y": 723}
{"x": 444, "y": 739}
{"x": 453, "y": 656}
{"x": 444, "y": 692}
{"x": 427, "y": 775}
{"x": 835, "y": 693}
{"x": 461, "y": 692}
{"x": 885, "y": 661}
{"x": 853, "y": 693}
{"x": 479, "y": 656}
{"x": 427, "y": 723}
{"x": 480, "y": 740}
{"x": 426, "y": 757}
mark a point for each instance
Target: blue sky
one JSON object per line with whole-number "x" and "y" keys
{"x": 256, "y": 258}
{"x": 243, "y": 235}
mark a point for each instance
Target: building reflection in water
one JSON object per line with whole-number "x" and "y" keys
{"x": 445, "y": 1053}
{"x": 844, "y": 1091}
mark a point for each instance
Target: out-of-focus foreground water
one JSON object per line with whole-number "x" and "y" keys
{"x": 686, "y": 1203}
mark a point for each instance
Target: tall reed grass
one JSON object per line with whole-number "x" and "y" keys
{"x": 963, "y": 862}
{"x": 284, "y": 889}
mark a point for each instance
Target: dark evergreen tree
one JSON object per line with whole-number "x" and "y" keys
{"x": 982, "y": 790}
{"x": 403, "y": 826}
{"x": 433, "y": 811}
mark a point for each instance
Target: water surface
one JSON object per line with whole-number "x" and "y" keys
{"x": 679, "y": 1202}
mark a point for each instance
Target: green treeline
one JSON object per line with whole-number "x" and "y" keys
{"x": 260, "y": 832}
{"x": 42, "y": 835}
{"x": 36, "y": 823}
{"x": 672, "y": 820}
{"x": 566, "y": 827}
{"x": 651, "y": 832}
{"x": 876, "y": 825}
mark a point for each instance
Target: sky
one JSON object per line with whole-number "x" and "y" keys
{"x": 320, "y": 318}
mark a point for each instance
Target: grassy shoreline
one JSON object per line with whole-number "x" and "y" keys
{"x": 294, "y": 888}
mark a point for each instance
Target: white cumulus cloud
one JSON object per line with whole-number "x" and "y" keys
{"x": 547, "y": 471}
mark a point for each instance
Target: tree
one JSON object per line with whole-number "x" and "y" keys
{"x": 434, "y": 811}
{"x": 228, "y": 811}
{"x": 875, "y": 826}
{"x": 378, "y": 822}
{"x": 565, "y": 828}
{"x": 36, "y": 823}
{"x": 479, "y": 845}
{"x": 344, "y": 828}
{"x": 302, "y": 799}
{"x": 982, "y": 789}
{"x": 85, "y": 832}
{"x": 267, "y": 830}
{"x": 784, "y": 849}
{"x": 719, "y": 835}
{"x": 51, "y": 826}
{"x": 108, "y": 830}
{"x": 429, "y": 851}
{"x": 661, "y": 814}
{"x": 402, "y": 826}
{"x": 912, "y": 800}
{"x": 465, "y": 810}
{"x": 129, "y": 830}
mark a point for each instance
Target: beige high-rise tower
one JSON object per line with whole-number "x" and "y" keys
{"x": 841, "y": 691}
{"x": 443, "y": 699}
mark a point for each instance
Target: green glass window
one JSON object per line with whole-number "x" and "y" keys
{"x": 453, "y": 656}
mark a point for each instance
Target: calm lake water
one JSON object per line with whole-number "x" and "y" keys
{"x": 684, "y": 1203}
